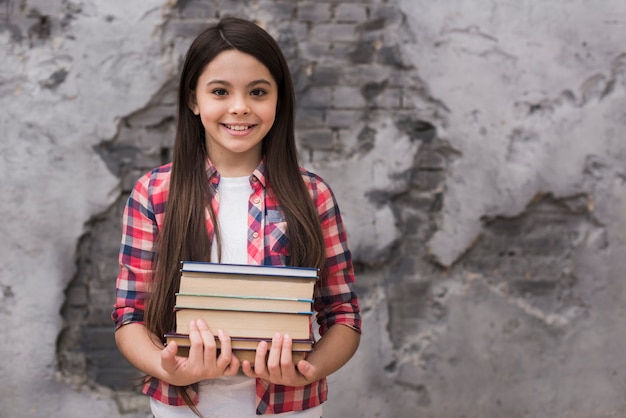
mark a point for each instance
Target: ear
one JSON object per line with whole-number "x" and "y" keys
{"x": 193, "y": 103}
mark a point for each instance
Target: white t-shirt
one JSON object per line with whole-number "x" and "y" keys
{"x": 232, "y": 218}
{"x": 229, "y": 396}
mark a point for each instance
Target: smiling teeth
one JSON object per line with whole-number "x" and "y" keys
{"x": 237, "y": 128}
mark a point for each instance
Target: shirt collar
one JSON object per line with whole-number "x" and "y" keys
{"x": 257, "y": 175}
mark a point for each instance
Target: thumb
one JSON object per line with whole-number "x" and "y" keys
{"x": 168, "y": 357}
{"x": 307, "y": 370}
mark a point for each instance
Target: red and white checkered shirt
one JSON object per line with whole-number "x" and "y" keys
{"x": 334, "y": 301}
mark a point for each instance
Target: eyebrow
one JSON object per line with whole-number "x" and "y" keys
{"x": 250, "y": 84}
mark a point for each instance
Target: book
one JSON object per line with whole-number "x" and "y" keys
{"x": 250, "y": 324}
{"x": 246, "y": 285}
{"x": 240, "y": 343}
{"x": 243, "y": 303}
{"x": 244, "y": 354}
{"x": 249, "y": 269}
{"x": 243, "y": 348}
{"x": 247, "y": 302}
{"x": 247, "y": 280}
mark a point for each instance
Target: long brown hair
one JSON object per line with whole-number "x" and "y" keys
{"x": 184, "y": 235}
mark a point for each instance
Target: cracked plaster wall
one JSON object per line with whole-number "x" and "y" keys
{"x": 474, "y": 148}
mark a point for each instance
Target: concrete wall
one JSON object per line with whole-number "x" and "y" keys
{"x": 476, "y": 149}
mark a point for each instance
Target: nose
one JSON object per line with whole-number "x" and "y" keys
{"x": 239, "y": 106}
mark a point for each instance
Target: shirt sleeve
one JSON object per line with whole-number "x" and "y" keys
{"x": 137, "y": 255}
{"x": 335, "y": 299}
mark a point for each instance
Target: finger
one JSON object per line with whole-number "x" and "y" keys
{"x": 233, "y": 366}
{"x": 246, "y": 368}
{"x": 208, "y": 342}
{"x": 196, "y": 346}
{"x": 226, "y": 355}
{"x": 273, "y": 360}
{"x": 287, "y": 368}
{"x": 286, "y": 359}
{"x": 260, "y": 368}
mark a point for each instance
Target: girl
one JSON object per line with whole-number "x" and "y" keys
{"x": 234, "y": 193}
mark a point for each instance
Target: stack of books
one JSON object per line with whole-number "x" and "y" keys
{"x": 250, "y": 303}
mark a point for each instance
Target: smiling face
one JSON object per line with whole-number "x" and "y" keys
{"x": 236, "y": 100}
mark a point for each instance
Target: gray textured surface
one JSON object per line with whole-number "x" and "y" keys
{"x": 476, "y": 150}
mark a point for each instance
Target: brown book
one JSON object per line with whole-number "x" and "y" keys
{"x": 242, "y": 354}
{"x": 249, "y": 324}
{"x": 242, "y": 303}
{"x": 240, "y": 343}
{"x": 243, "y": 348}
{"x": 247, "y": 280}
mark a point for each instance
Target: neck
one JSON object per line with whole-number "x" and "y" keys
{"x": 235, "y": 165}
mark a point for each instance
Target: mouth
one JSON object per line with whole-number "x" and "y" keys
{"x": 238, "y": 128}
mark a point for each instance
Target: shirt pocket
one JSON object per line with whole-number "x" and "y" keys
{"x": 276, "y": 225}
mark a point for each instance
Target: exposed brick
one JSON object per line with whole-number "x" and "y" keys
{"x": 390, "y": 98}
{"x": 416, "y": 128}
{"x": 197, "y": 9}
{"x": 349, "y": 12}
{"x": 232, "y": 8}
{"x": 98, "y": 338}
{"x": 392, "y": 56}
{"x": 363, "y": 53}
{"x": 300, "y": 30}
{"x": 310, "y": 118}
{"x": 314, "y": 12}
{"x": 279, "y": 10}
{"x": 76, "y": 293}
{"x": 325, "y": 75}
{"x": 429, "y": 159}
{"x": 391, "y": 15}
{"x": 334, "y": 32}
{"x": 424, "y": 180}
{"x": 372, "y": 25}
{"x": 318, "y": 139}
{"x": 522, "y": 250}
{"x": 368, "y": 73}
{"x": 337, "y": 118}
{"x": 373, "y": 89}
{"x": 316, "y": 97}
{"x": 348, "y": 98}
{"x": 156, "y": 116}
{"x": 315, "y": 50}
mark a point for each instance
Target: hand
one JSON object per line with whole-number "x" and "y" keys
{"x": 280, "y": 369}
{"x": 203, "y": 361}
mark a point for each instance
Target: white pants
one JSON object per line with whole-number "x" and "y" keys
{"x": 227, "y": 397}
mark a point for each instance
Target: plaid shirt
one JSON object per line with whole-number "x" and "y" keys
{"x": 334, "y": 301}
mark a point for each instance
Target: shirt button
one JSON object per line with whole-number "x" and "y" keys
{"x": 257, "y": 200}
{"x": 255, "y": 235}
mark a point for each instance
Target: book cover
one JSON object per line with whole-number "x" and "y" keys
{"x": 242, "y": 354}
{"x": 240, "y": 343}
{"x": 252, "y": 324}
{"x": 260, "y": 270}
{"x": 242, "y": 302}
{"x": 246, "y": 285}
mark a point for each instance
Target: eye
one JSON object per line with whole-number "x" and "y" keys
{"x": 258, "y": 92}
{"x": 220, "y": 92}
